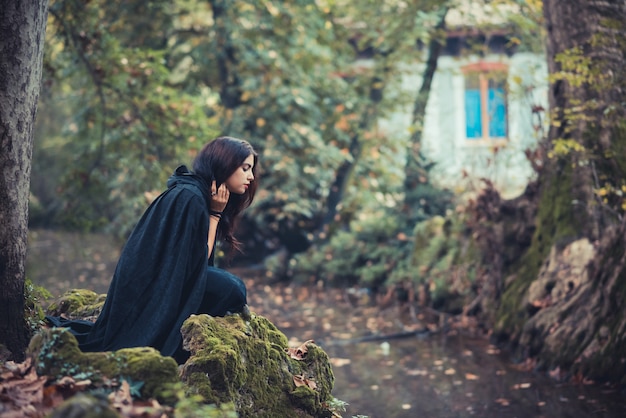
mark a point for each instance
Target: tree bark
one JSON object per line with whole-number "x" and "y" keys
{"x": 585, "y": 107}
{"x": 559, "y": 303}
{"x": 230, "y": 88}
{"x": 415, "y": 170}
{"x": 22, "y": 33}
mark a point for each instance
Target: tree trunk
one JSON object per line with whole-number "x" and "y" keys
{"x": 416, "y": 167}
{"x": 558, "y": 301}
{"x": 230, "y": 88}
{"x": 22, "y": 33}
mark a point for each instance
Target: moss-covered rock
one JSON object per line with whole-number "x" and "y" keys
{"x": 78, "y": 303}
{"x": 85, "y": 406}
{"x": 246, "y": 362}
{"x": 232, "y": 361}
{"x": 55, "y": 353}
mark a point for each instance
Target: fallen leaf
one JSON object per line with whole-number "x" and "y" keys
{"x": 493, "y": 350}
{"x": 299, "y": 353}
{"x": 417, "y": 372}
{"x": 121, "y": 399}
{"x": 300, "y": 380}
{"x": 503, "y": 401}
{"x": 340, "y": 362}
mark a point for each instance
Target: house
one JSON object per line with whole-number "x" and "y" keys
{"x": 484, "y": 109}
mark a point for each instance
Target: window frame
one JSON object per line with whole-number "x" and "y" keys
{"x": 483, "y": 70}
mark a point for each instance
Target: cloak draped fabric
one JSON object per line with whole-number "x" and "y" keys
{"x": 164, "y": 275}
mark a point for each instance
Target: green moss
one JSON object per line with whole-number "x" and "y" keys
{"x": 444, "y": 260}
{"x": 243, "y": 363}
{"x": 246, "y": 363}
{"x": 147, "y": 365}
{"x": 558, "y": 222}
{"x": 33, "y": 298}
{"x": 84, "y": 406}
{"x": 308, "y": 399}
{"x": 78, "y": 303}
{"x": 618, "y": 144}
{"x": 56, "y": 354}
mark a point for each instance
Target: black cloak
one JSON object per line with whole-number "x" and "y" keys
{"x": 163, "y": 275}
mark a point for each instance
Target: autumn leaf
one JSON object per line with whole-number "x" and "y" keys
{"x": 22, "y": 387}
{"x": 417, "y": 372}
{"x": 300, "y": 380}
{"x": 121, "y": 399}
{"x": 299, "y": 353}
{"x": 340, "y": 362}
{"x": 503, "y": 401}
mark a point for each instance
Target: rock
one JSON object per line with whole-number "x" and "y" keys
{"x": 78, "y": 303}
{"x": 239, "y": 360}
{"x": 55, "y": 353}
{"x": 246, "y": 362}
{"x": 562, "y": 274}
{"x": 85, "y": 406}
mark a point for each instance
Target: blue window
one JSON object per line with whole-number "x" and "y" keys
{"x": 473, "y": 119}
{"x": 485, "y": 105}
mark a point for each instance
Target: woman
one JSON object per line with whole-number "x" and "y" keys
{"x": 165, "y": 272}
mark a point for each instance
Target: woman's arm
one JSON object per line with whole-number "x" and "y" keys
{"x": 214, "y": 221}
{"x": 219, "y": 199}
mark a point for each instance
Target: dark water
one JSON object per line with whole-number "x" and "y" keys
{"x": 457, "y": 377}
{"x": 428, "y": 376}
{"x": 433, "y": 376}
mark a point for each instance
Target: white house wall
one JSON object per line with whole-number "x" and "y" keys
{"x": 460, "y": 162}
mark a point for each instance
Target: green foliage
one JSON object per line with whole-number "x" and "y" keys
{"x": 187, "y": 405}
{"x": 444, "y": 260}
{"x": 134, "y": 386}
{"x": 366, "y": 254}
{"x": 594, "y": 105}
{"x": 34, "y": 297}
{"x": 288, "y": 99}
{"x": 337, "y": 405}
{"x": 134, "y": 88}
{"x": 527, "y": 25}
{"x": 576, "y": 67}
{"x": 152, "y": 88}
{"x": 123, "y": 125}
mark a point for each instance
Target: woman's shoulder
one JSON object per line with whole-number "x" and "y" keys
{"x": 183, "y": 181}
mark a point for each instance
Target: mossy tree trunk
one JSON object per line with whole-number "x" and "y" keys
{"x": 582, "y": 187}
{"x": 22, "y": 33}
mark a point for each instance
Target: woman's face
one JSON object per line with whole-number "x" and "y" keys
{"x": 239, "y": 181}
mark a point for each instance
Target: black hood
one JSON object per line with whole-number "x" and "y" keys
{"x": 182, "y": 175}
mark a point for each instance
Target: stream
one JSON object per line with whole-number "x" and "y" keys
{"x": 422, "y": 375}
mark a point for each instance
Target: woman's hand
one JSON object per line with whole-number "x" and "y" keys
{"x": 219, "y": 197}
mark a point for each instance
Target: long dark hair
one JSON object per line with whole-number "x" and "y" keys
{"x": 217, "y": 161}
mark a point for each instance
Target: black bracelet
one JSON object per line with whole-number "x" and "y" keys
{"x": 215, "y": 213}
